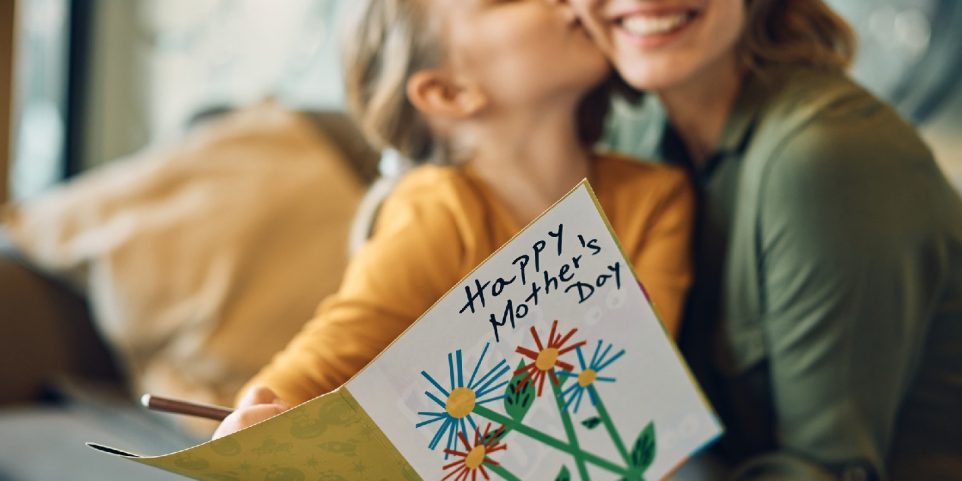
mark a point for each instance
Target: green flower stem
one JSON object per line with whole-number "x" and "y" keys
{"x": 569, "y": 430}
{"x": 610, "y": 426}
{"x": 501, "y": 471}
{"x": 554, "y": 442}
{"x": 504, "y": 434}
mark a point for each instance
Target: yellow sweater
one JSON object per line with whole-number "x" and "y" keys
{"x": 438, "y": 225}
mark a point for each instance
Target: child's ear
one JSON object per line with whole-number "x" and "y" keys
{"x": 436, "y": 93}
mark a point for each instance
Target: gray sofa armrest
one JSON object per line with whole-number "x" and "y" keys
{"x": 47, "y": 332}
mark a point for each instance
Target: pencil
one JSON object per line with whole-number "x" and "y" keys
{"x": 176, "y": 406}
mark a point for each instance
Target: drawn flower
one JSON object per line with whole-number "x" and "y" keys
{"x": 460, "y": 399}
{"x": 474, "y": 457}
{"x": 546, "y": 358}
{"x": 589, "y": 375}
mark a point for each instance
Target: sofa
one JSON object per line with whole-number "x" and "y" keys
{"x": 71, "y": 358}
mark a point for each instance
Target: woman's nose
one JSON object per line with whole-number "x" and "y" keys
{"x": 574, "y": 4}
{"x": 565, "y": 8}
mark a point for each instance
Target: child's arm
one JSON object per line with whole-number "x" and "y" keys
{"x": 414, "y": 256}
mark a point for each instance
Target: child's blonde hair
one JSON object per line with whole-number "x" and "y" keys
{"x": 384, "y": 42}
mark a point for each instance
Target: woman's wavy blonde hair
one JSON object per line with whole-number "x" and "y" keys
{"x": 383, "y": 43}
{"x": 795, "y": 31}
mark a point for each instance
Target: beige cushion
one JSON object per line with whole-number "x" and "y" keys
{"x": 202, "y": 260}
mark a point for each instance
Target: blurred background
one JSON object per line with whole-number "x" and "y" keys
{"x": 95, "y": 80}
{"x": 911, "y": 55}
{"x": 98, "y": 79}
{"x": 155, "y": 272}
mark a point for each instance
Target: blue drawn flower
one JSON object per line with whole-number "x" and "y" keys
{"x": 588, "y": 375}
{"x": 458, "y": 401}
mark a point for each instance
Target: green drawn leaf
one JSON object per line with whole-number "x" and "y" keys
{"x": 518, "y": 402}
{"x": 564, "y": 475}
{"x": 591, "y": 423}
{"x": 643, "y": 454}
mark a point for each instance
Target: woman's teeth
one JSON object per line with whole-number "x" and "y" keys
{"x": 644, "y": 25}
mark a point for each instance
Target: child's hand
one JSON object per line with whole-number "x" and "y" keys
{"x": 257, "y": 404}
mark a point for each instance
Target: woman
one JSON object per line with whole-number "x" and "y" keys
{"x": 826, "y": 320}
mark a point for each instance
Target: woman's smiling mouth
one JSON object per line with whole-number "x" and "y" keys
{"x": 653, "y": 28}
{"x": 647, "y": 25}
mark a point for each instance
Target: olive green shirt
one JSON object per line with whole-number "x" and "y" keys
{"x": 826, "y": 319}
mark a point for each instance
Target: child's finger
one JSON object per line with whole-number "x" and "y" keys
{"x": 258, "y": 395}
{"x": 245, "y": 417}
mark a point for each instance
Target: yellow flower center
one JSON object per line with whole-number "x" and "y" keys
{"x": 460, "y": 403}
{"x": 546, "y": 359}
{"x": 475, "y": 457}
{"x": 587, "y": 377}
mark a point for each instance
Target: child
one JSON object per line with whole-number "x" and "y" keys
{"x": 501, "y": 93}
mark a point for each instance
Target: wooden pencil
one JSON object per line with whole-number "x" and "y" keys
{"x": 177, "y": 406}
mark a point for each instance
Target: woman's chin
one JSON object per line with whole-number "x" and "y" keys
{"x": 653, "y": 74}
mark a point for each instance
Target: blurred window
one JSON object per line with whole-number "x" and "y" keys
{"x": 100, "y": 79}
{"x": 40, "y": 96}
{"x": 203, "y": 53}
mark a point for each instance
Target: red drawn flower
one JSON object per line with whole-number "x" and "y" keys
{"x": 475, "y": 457}
{"x": 546, "y": 358}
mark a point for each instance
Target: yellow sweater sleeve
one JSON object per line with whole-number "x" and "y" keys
{"x": 651, "y": 208}
{"x": 431, "y": 232}
{"x": 413, "y": 257}
{"x": 664, "y": 258}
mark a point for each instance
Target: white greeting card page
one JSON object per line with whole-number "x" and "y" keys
{"x": 546, "y": 363}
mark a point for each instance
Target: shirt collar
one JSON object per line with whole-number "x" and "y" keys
{"x": 741, "y": 121}
{"x": 751, "y": 98}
